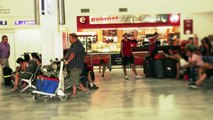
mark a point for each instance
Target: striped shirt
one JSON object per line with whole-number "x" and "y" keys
{"x": 4, "y": 50}
{"x": 78, "y": 61}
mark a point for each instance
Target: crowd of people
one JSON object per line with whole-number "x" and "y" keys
{"x": 200, "y": 61}
{"x": 197, "y": 61}
{"x": 25, "y": 70}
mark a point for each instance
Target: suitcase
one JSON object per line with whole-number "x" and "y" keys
{"x": 170, "y": 67}
{"x": 148, "y": 67}
{"x": 47, "y": 84}
{"x": 159, "y": 68}
{"x": 7, "y": 76}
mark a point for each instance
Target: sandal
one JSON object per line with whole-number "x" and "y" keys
{"x": 72, "y": 96}
{"x": 14, "y": 89}
{"x": 177, "y": 78}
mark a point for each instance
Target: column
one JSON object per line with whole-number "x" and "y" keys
{"x": 51, "y": 40}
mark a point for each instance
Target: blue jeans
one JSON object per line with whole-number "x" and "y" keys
{"x": 192, "y": 73}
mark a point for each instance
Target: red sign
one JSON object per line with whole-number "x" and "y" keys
{"x": 188, "y": 26}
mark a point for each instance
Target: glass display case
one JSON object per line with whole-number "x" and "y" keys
{"x": 87, "y": 41}
{"x": 105, "y": 47}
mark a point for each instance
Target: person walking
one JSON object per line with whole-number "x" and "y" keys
{"x": 103, "y": 64}
{"x": 75, "y": 60}
{"x": 127, "y": 56}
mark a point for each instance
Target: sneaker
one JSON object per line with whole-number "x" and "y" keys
{"x": 193, "y": 85}
{"x": 138, "y": 77}
{"x": 93, "y": 86}
{"x": 126, "y": 77}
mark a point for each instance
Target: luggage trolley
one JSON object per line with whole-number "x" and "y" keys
{"x": 58, "y": 83}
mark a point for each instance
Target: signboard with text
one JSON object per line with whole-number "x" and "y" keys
{"x": 188, "y": 26}
{"x": 129, "y": 19}
{"x": 116, "y": 59}
{"x": 24, "y": 22}
{"x": 119, "y": 21}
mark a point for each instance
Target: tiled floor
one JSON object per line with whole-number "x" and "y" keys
{"x": 116, "y": 99}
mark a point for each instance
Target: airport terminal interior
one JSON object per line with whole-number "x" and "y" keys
{"x": 116, "y": 98}
{"x": 174, "y": 83}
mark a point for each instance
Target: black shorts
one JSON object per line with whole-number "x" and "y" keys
{"x": 209, "y": 72}
{"x": 128, "y": 60}
{"x": 25, "y": 75}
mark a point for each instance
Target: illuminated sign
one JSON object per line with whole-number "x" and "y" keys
{"x": 159, "y": 18}
{"x": 122, "y": 21}
{"x": 25, "y": 22}
{"x": 3, "y": 22}
{"x": 82, "y": 20}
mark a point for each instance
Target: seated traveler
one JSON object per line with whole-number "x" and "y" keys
{"x": 32, "y": 65}
{"x": 194, "y": 62}
{"x": 86, "y": 75}
{"x": 206, "y": 74}
{"x": 36, "y": 58}
{"x": 25, "y": 71}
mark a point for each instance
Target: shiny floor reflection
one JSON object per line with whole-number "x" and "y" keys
{"x": 116, "y": 99}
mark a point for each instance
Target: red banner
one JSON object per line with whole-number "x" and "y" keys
{"x": 188, "y": 26}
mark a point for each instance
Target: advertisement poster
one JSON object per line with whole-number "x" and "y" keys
{"x": 188, "y": 26}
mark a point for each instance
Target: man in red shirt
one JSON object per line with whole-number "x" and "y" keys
{"x": 153, "y": 45}
{"x": 127, "y": 56}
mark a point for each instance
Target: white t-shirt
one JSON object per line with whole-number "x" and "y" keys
{"x": 183, "y": 62}
{"x": 196, "y": 58}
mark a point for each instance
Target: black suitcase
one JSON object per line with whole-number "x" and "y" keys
{"x": 159, "y": 68}
{"x": 170, "y": 67}
{"x": 148, "y": 67}
{"x": 7, "y": 76}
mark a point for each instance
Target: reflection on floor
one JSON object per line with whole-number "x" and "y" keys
{"x": 116, "y": 99}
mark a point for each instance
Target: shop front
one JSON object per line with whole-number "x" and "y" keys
{"x": 102, "y": 35}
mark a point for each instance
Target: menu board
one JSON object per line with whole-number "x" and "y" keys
{"x": 116, "y": 59}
